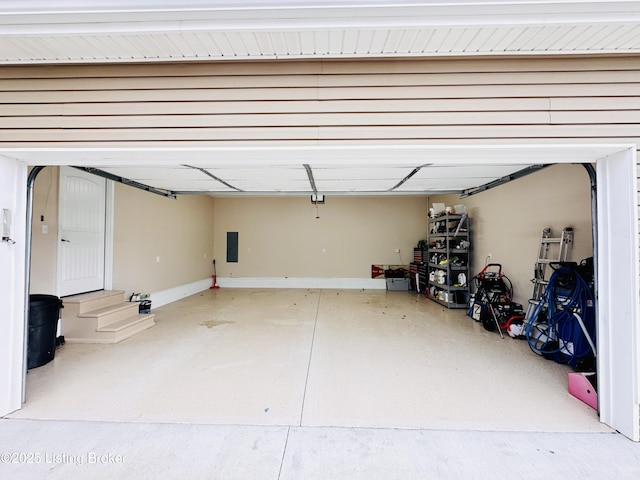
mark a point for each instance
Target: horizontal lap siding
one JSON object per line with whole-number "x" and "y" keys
{"x": 548, "y": 100}
{"x": 464, "y": 101}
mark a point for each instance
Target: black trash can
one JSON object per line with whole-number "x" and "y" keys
{"x": 44, "y": 311}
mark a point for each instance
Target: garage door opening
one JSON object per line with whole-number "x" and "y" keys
{"x": 617, "y": 242}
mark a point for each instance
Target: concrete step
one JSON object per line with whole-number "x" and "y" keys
{"x": 102, "y": 317}
{"x": 87, "y": 302}
{"x": 118, "y": 331}
{"x": 111, "y": 314}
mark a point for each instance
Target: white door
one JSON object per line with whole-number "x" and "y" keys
{"x": 81, "y": 232}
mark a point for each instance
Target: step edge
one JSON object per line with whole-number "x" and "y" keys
{"x": 133, "y": 321}
{"x": 106, "y": 311}
{"x": 91, "y": 296}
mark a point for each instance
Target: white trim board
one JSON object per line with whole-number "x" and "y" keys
{"x": 108, "y": 234}
{"x": 618, "y": 287}
{"x": 164, "y": 297}
{"x": 366, "y": 155}
{"x": 302, "y": 282}
{"x": 13, "y": 195}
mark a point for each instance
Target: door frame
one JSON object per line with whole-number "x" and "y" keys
{"x": 108, "y": 235}
{"x": 618, "y": 271}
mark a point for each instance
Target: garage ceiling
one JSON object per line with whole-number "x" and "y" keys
{"x": 322, "y": 179}
{"x": 118, "y": 31}
{"x": 340, "y": 170}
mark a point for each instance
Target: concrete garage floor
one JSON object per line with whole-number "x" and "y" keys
{"x": 244, "y": 383}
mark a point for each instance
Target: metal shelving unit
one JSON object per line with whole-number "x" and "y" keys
{"x": 447, "y": 259}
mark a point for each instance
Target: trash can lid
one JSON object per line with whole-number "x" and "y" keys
{"x": 40, "y": 299}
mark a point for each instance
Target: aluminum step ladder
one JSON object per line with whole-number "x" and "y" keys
{"x": 552, "y": 250}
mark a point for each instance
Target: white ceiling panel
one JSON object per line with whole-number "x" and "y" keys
{"x": 436, "y": 40}
{"x": 628, "y": 38}
{"x": 252, "y": 184}
{"x": 443, "y": 184}
{"x": 322, "y": 42}
{"x": 365, "y": 37}
{"x": 265, "y": 43}
{"x": 378, "y": 40}
{"x": 327, "y": 179}
{"x": 308, "y": 45}
{"x": 408, "y": 41}
{"x": 451, "y": 39}
{"x": 529, "y": 38}
{"x": 237, "y": 45}
{"x": 176, "y": 185}
{"x": 260, "y": 178}
{"x": 361, "y": 173}
{"x": 467, "y": 171}
{"x": 360, "y": 186}
{"x": 224, "y": 46}
{"x": 142, "y": 173}
{"x": 553, "y": 37}
{"x": 222, "y": 30}
{"x": 487, "y": 38}
{"x": 508, "y": 39}
{"x": 273, "y": 172}
{"x": 250, "y": 41}
{"x": 439, "y": 178}
{"x": 293, "y": 44}
{"x": 279, "y": 42}
{"x": 281, "y": 170}
{"x": 392, "y": 42}
{"x": 466, "y": 39}
{"x": 349, "y": 42}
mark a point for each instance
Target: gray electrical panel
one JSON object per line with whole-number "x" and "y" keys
{"x": 232, "y": 247}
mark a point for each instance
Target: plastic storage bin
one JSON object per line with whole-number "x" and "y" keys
{"x": 398, "y": 284}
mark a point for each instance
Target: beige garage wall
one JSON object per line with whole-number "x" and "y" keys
{"x": 44, "y": 246}
{"x": 507, "y": 220}
{"x": 281, "y": 236}
{"x": 146, "y": 226}
{"x": 160, "y": 243}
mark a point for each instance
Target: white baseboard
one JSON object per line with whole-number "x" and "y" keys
{"x": 297, "y": 282}
{"x": 163, "y": 297}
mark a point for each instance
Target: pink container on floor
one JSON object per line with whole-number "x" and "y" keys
{"x": 581, "y": 388}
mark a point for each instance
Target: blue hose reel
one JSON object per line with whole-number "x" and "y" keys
{"x": 561, "y": 326}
